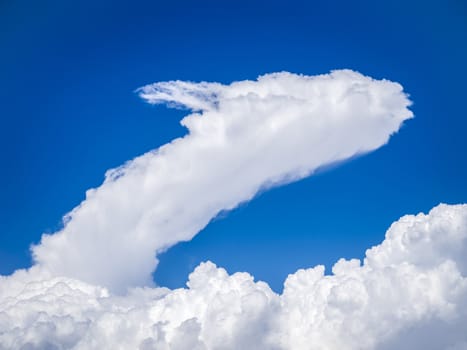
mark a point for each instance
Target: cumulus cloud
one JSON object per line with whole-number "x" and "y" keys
{"x": 90, "y": 286}
{"x": 410, "y": 292}
{"x": 242, "y": 138}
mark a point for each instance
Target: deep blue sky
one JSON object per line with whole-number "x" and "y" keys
{"x": 68, "y": 70}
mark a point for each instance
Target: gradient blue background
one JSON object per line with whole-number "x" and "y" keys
{"x": 68, "y": 70}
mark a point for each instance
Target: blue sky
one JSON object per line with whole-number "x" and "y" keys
{"x": 69, "y": 113}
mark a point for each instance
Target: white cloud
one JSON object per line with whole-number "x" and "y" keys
{"x": 410, "y": 292}
{"x": 243, "y": 137}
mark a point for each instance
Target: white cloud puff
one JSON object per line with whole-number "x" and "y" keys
{"x": 242, "y": 138}
{"x": 410, "y": 292}
{"x": 90, "y": 287}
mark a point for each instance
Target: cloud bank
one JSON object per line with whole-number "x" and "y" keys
{"x": 242, "y": 138}
{"x": 410, "y": 292}
{"x": 90, "y": 287}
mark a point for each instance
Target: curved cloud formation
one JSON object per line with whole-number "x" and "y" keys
{"x": 242, "y": 138}
{"x": 410, "y": 292}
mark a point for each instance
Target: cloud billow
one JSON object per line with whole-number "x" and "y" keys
{"x": 409, "y": 292}
{"x": 242, "y": 138}
{"x": 91, "y": 287}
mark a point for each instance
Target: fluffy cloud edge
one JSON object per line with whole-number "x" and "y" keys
{"x": 410, "y": 290}
{"x": 251, "y": 134}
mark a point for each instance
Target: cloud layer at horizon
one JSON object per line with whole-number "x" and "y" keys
{"x": 242, "y": 138}
{"x": 410, "y": 292}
